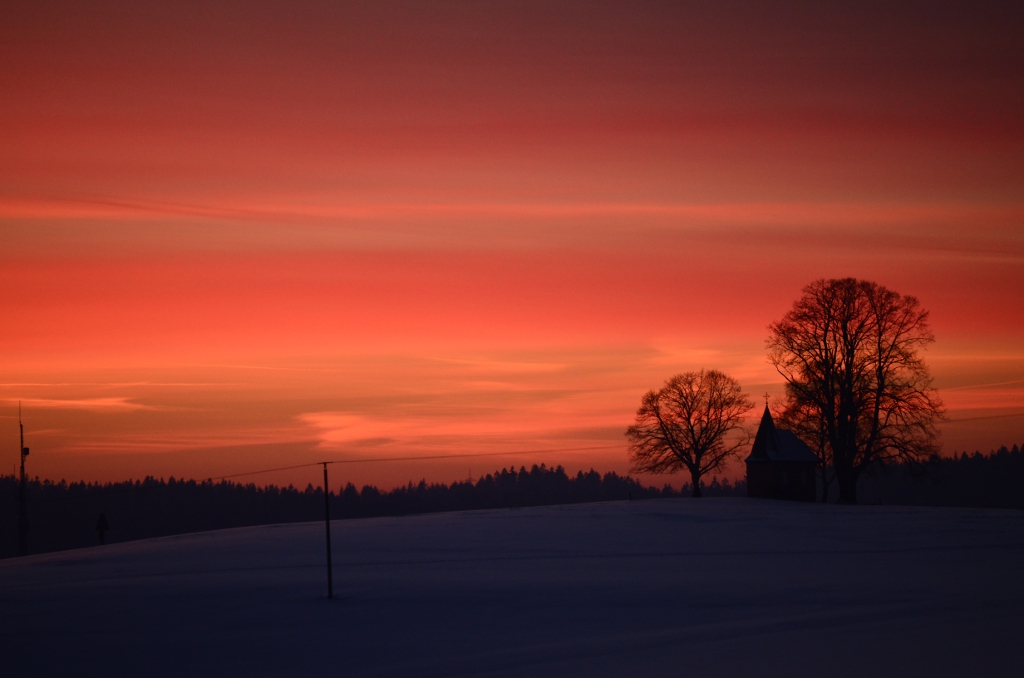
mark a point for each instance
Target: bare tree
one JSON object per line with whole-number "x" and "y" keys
{"x": 855, "y": 382}
{"x": 804, "y": 421}
{"x": 686, "y": 424}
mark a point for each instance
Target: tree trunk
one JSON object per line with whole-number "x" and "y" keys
{"x": 695, "y": 478}
{"x": 847, "y": 487}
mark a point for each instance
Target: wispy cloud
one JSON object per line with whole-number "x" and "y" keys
{"x": 120, "y": 384}
{"x": 301, "y": 209}
{"x": 174, "y": 440}
{"x": 495, "y": 428}
{"x": 89, "y": 404}
{"x": 987, "y": 385}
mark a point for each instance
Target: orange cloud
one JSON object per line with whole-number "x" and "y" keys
{"x": 89, "y": 404}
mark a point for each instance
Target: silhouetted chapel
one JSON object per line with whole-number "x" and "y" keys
{"x": 780, "y": 465}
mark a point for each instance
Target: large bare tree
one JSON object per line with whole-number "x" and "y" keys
{"x": 803, "y": 420}
{"x": 686, "y": 424}
{"x": 856, "y": 385}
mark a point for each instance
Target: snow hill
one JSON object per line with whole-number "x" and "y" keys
{"x": 673, "y": 587}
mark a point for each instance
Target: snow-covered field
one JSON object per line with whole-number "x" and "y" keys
{"x": 722, "y": 587}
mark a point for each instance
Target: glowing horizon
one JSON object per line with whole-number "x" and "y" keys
{"x": 244, "y": 235}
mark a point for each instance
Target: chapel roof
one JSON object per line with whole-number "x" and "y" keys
{"x": 778, "y": 444}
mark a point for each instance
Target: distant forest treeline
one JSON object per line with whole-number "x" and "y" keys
{"x": 63, "y": 516}
{"x": 994, "y": 480}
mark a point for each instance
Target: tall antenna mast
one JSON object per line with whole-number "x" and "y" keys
{"x": 22, "y": 493}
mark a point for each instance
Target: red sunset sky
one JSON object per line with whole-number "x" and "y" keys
{"x": 242, "y": 235}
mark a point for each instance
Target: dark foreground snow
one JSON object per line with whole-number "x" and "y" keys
{"x": 717, "y": 587}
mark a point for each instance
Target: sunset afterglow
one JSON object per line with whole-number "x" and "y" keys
{"x": 244, "y": 235}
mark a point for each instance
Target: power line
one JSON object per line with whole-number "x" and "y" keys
{"x": 365, "y": 460}
{"x": 407, "y": 459}
{"x": 327, "y": 486}
{"x": 267, "y": 470}
{"x": 128, "y": 485}
{"x": 476, "y": 454}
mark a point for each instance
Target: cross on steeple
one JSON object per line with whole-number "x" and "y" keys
{"x": 766, "y": 398}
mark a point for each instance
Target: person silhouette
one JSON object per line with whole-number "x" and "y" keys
{"x": 102, "y": 527}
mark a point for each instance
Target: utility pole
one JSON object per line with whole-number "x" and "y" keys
{"x": 102, "y": 527}
{"x": 327, "y": 524}
{"x": 22, "y": 494}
